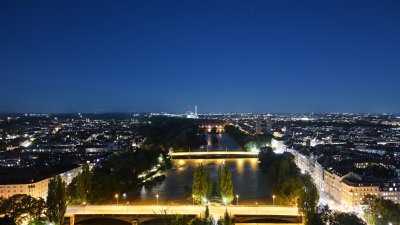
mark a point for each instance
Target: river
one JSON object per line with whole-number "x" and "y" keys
{"x": 249, "y": 183}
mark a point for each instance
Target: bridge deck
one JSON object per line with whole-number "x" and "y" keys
{"x": 216, "y": 211}
{"x": 215, "y": 153}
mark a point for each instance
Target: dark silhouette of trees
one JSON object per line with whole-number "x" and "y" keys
{"x": 56, "y": 200}
{"x": 18, "y": 207}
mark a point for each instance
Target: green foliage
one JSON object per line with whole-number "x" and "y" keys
{"x": 286, "y": 179}
{"x": 247, "y": 141}
{"x": 206, "y": 212}
{"x": 308, "y": 198}
{"x": 180, "y": 220}
{"x": 186, "y": 220}
{"x": 125, "y": 172}
{"x": 381, "y": 211}
{"x": 19, "y": 207}
{"x": 84, "y": 183}
{"x": 80, "y": 189}
{"x": 225, "y": 185}
{"x": 288, "y": 190}
{"x": 175, "y": 133}
{"x": 324, "y": 215}
{"x": 56, "y": 200}
{"x": 202, "y": 184}
{"x": 227, "y": 219}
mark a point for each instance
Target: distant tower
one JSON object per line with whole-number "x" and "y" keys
{"x": 195, "y": 110}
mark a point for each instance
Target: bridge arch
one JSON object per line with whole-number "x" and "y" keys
{"x": 103, "y": 221}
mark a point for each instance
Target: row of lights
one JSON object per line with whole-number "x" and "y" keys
{"x": 204, "y": 200}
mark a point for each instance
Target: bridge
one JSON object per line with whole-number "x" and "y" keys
{"x": 210, "y": 154}
{"x": 149, "y": 214}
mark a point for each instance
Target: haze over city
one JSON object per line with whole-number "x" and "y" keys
{"x": 224, "y": 56}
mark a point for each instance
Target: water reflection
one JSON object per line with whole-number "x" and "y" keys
{"x": 247, "y": 179}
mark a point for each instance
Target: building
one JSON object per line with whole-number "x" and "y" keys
{"x": 33, "y": 183}
{"x": 390, "y": 191}
{"x": 259, "y": 129}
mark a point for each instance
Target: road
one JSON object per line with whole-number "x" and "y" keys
{"x": 215, "y": 211}
{"x": 242, "y": 153}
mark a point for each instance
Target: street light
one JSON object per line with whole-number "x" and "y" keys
{"x": 256, "y": 207}
{"x": 193, "y": 199}
{"x": 127, "y": 207}
{"x": 237, "y": 199}
{"x": 273, "y": 200}
{"x": 157, "y": 198}
{"x": 116, "y": 196}
{"x": 84, "y": 204}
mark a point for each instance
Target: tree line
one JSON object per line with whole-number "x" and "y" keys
{"x": 176, "y": 133}
{"x": 119, "y": 173}
{"x": 248, "y": 141}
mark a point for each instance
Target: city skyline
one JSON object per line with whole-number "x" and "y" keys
{"x": 70, "y": 57}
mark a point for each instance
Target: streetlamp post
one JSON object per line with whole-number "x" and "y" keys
{"x": 127, "y": 207}
{"x": 256, "y": 207}
{"x": 273, "y": 200}
{"x": 237, "y": 199}
{"x": 116, "y": 196}
{"x": 84, "y": 204}
{"x": 157, "y": 198}
{"x": 193, "y": 199}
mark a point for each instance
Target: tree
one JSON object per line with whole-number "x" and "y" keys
{"x": 19, "y": 207}
{"x": 180, "y": 220}
{"x": 206, "y": 212}
{"x": 37, "y": 209}
{"x": 326, "y": 216}
{"x": 209, "y": 184}
{"x": 288, "y": 191}
{"x": 56, "y": 200}
{"x": 227, "y": 218}
{"x": 225, "y": 185}
{"x": 84, "y": 184}
{"x": 308, "y": 199}
{"x": 382, "y": 211}
{"x": 201, "y": 184}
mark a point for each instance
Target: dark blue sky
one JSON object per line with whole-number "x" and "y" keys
{"x": 224, "y": 56}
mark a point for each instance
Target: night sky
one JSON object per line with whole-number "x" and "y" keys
{"x": 224, "y": 56}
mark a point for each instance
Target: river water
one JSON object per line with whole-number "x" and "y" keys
{"x": 248, "y": 181}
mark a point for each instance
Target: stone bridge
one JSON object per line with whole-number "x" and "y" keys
{"x": 121, "y": 218}
{"x": 260, "y": 219}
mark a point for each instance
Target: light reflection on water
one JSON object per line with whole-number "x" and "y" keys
{"x": 248, "y": 181}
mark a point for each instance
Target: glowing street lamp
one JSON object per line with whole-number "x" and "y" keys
{"x": 116, "y": 196}
{"x": 237, "y": 199}
{"x": 157, "y": 198}
{"x": 273, "y": 200}
{"x": 193, "y": 199}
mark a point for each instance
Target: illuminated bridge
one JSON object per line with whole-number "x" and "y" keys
{"x": 215, "y": 154}
{"x": 155, "y": 214}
